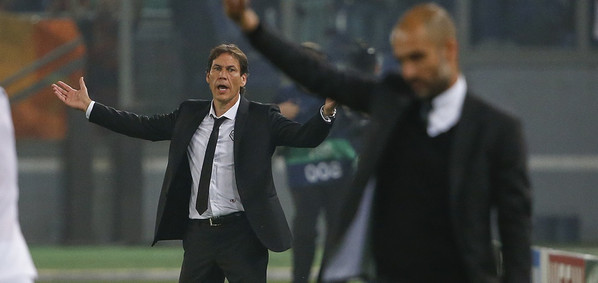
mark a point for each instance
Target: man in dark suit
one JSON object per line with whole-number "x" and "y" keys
{"x": 227, "y": 219}
{"x": 438, "y": 162}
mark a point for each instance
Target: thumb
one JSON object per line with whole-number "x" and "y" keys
{"x": 82, "y": 84}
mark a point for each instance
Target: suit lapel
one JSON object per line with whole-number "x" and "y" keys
{"x": 189, "y": 126}
{"x": 240, "y": 121}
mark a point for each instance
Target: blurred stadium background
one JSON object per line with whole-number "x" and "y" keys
{"x": 87, "y": 195}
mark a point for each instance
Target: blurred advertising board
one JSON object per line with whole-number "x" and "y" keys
{"x": 557, "y": 266}
{"x": 35, "y": 53}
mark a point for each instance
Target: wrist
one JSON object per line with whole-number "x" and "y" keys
{"x": 328, "y": 114}
{"x": 331, "y": 113}
{"x": 86, "y": 104}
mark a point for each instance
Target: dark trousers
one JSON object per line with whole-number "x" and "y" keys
{"x": 231, "y": 250}
{"x": 310, "y": 202}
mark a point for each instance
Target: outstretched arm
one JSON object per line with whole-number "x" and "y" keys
{"x": 76, "y": 99}
{"x": 154, "y": 128}
{"x": 320, "y": 77}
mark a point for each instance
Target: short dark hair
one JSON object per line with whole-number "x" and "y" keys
{"x": 234, "y": 51}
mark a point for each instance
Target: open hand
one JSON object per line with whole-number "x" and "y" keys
{"x": 77, "y": 99}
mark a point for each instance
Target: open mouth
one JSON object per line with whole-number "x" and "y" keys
{"x": 222, "y": 88}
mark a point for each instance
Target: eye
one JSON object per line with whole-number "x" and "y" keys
{"x": 417, "y": 57}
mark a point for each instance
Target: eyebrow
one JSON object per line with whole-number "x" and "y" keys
{"x": 218, "y": 65}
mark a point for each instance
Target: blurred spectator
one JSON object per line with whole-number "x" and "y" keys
{"x": 195, "y": 29}
{"x": 523, "y": 22}
{"x": 16, "y": 265}
{"x": 99, "y": 24}
{"x": 24, "y": 5}
{"x": 319, "y": 177}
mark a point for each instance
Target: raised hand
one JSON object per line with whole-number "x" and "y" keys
{"x": 77, "y": 99}
{"x": 240, "y": 12}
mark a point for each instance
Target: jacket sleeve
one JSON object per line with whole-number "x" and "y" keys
{"x": 153, "y": 128}
{"x": 513, "y": 196}
{"x": 290, "y": 133}
{"x": 320, "y": 77}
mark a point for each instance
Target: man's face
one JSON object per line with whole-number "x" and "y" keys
{"x": 424, "y": 63}
{"x": 225, "y": 79}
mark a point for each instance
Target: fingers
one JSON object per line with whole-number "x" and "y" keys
{"x": 331, "y": 102}
{"x": 65, "y": 86}
{"x": 62, "y": 89}
{"x": 59, "y": 92}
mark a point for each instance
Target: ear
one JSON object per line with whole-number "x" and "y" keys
{"x": 452, "y": 50}
{"x": 208, "y": 77}
{"x": 243, "y": 79}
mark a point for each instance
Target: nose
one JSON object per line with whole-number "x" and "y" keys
{"x": 222, "y": 74}
{"x": 408, "y": 70}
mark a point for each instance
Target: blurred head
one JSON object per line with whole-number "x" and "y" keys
{"x": 227, "y": 73}
{"x": 425, "y": 44}
{"x": 363, "y": 58}
{"x": 314, "y": 49}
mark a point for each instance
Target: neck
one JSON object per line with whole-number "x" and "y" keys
{"x": 451, "y": 82}
{"x": 220, "y": 107}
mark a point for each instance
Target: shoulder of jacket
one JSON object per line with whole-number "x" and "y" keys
{"x": 194, "y": 104}
{"x": 260, "y": 105}
{"x": 494, "y": 112}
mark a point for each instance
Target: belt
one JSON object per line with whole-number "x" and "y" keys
{"x": 221, "y": 220}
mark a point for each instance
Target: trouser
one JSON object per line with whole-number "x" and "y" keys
{"x": 230, "y": 250}
{"x": 310, "y": 202}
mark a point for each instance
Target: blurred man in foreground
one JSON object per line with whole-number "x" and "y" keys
{"x": 438, "y": 163}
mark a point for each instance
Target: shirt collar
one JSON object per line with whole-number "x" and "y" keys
{"x": 446, "y": 108}
{"x": 230, "y": 113}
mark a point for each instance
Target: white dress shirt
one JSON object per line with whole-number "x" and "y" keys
{"x": 223, "y": 197}
{"x": 16, "y": 264}
{"x": 446, "y": 108}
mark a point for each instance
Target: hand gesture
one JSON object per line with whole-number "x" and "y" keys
{"x": 240, "y": 12}
{"x": 77, "y": 99}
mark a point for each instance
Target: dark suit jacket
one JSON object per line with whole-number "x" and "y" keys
{"x": 259, "y": 128}
{"x": 488, "y": 161}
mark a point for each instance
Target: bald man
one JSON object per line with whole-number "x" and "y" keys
{"x": 438, "y": 163}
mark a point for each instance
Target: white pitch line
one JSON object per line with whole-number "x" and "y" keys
{"x": 563, "y": 163}
{"x": 537, "y": 163}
